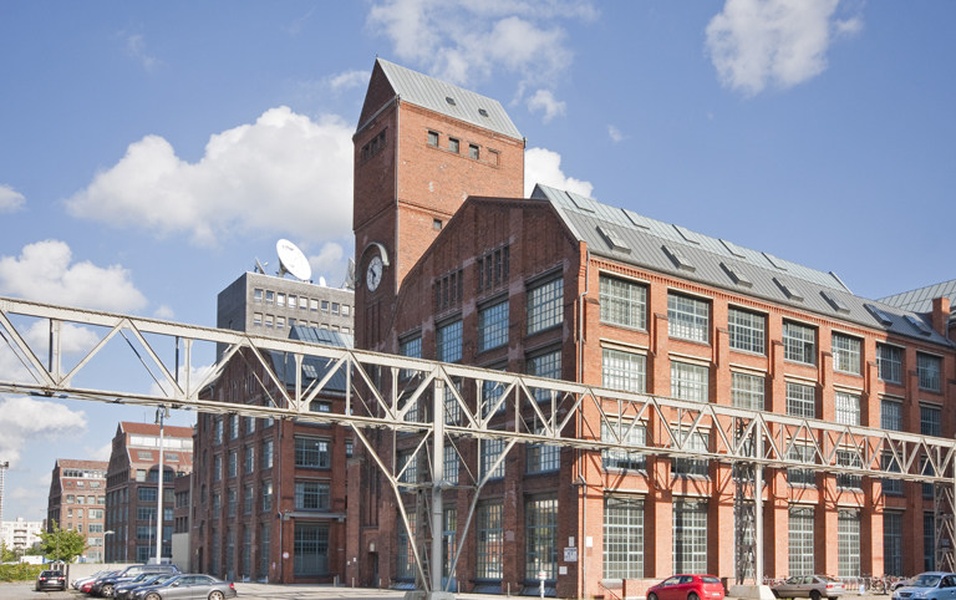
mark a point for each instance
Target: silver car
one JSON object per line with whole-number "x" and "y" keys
{"x": 189, "y": 586}
{"x": 814, "y": 587}
{"x": 932, "y": 585}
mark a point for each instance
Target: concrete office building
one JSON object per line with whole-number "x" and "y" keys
{"x": 271, "y": 306}
{"x": 77, "y": 501}
{"x": 454, "y": 265}
{"x": 132, "y": 493}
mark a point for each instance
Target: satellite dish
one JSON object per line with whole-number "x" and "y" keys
{"x": 260, "y": 267}
{"x": 292, "y": 261}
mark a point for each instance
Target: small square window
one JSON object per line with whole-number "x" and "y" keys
{"x": 432, "y": 138}
{"x": 453, "y": 145}
{"x": 473, "y": 151}
{"x": 437, "y": 224}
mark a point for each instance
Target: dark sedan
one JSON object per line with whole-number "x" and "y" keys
{"x": 127, "y": 590}
{"x": 51, "y": 580}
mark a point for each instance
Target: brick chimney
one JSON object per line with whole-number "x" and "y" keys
{"x": 941, "y": 315}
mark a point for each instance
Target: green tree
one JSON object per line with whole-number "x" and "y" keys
{"x": 62, "y": 544}
{"x": 7, "y": 554}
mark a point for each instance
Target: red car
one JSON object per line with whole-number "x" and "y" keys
{"x": 687, "y": 587}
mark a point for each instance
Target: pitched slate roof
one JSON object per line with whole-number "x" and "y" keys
{"x": 628, "y": 237}
{"x": 448, "y": 99}
{"x": 921, "y": 300}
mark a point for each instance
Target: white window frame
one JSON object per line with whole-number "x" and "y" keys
{"x": 688, "y": 318}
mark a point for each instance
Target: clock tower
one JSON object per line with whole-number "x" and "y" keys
{"x": 421, "y": 147}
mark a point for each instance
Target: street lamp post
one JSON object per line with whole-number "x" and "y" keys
{"x": 106, "y": 533}
{"x": 161, "y": 414}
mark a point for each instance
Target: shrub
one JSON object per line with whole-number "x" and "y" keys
{"x": 19, "y": 572}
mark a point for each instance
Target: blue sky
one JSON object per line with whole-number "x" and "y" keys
{"x": 151, "y": 152}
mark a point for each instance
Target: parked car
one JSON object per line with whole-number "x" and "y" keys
{"x": 687, "y": 587}
{"x": 814, "y": 587}
{"x": 106, "y": 586}
{"x": 86, "y": 585}
{"x": 932, "y": 585}
{"x": 190, "y": 585}
{"x": 80, "y": 581}
{"x": 51, "y": 580}
{"x": 126, "y": 590}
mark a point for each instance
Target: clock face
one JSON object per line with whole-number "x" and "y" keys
{"x": 373, "y": 276}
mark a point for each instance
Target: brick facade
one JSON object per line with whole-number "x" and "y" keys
{"x": 439, "y": 278}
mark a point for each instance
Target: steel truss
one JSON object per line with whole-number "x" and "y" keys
{"x": 427, "y": 405}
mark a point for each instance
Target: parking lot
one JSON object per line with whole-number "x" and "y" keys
{"x": 254, "y": 591}
{"x": 262, "y": 591}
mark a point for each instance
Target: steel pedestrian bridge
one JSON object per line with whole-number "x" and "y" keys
{"x": 171, "y": 364}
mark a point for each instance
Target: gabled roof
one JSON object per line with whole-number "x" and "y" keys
{"x": 628, "y": 237}
{"x": 132, "y": 427}
{"x": 82, "y": 463}
{"x": 921, "y": 300}
{"x": 445, "y": 98}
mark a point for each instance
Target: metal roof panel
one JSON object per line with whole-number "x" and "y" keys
{"x": 448, "y": 99}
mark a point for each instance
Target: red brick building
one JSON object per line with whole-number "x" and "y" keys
{"x": 453, "y": 265}
{"x": 77, "y": 501}
{"x": 132, "y": 493}
{"x": 269, "y": 496}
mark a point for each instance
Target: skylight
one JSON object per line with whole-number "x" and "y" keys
{"x": 919, "y": 325}
{"x": 733, "y": 271}
{"x": 636, "y": 219}
{"x": 613, "y": 239}
{"x": 677, "y": 257}
{"x": 837, "y": 304}
{"x": 880, "y": 315}
{"x": 791, "y": 292}
{"x": 733, "y": 249}
{"x": 579, "y": 201}
{"x": 776, "y": 262}
{"x": 687, "y": 234}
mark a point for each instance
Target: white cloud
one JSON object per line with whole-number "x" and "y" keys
{"x": 348, "y": 80}
{"x": 615, "y": 134}
{"x": 73, "y": 338}
{"x": 44, "y": 271}
{"x": 544, "y": 101}
{"x": 101, "y": 453}
{"x": 758, "y": 43}
{"x": 465, "y": 42}
{"x": 165, "y": 312}
{"x": 331, "y": 260}
{"x": 283, "y": 175}
{"x": 136, "y": 49}
{"x": 23, "y": 418}
{"x": 10, "y": 199}
{"x": 544, "y": 166}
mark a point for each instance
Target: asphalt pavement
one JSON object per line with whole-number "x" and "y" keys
{"x": 247, "y": 591}
{"x": 264, "y": 591}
